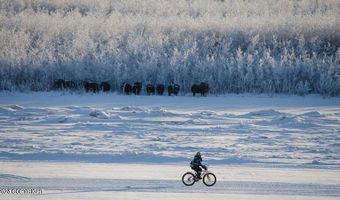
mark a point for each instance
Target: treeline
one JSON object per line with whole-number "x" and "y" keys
{"x": 234, "y": 46}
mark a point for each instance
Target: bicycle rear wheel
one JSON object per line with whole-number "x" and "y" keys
{"x": 209, "y": 179}
{"x": 188, "y": 179}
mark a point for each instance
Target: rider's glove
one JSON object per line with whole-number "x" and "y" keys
{"x": 205, "y": 167}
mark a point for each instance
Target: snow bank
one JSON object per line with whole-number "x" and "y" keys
{"x": 114, "y": 128}
{"x": 99, "y": 114}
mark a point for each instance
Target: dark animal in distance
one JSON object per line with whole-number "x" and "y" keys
{"x": 173, "y": 89}
{"x": 160, "y": 89}
{"x": 126, "y": 88}
{"x": 61, "y": 84}
{"x": 70, "y": 85}
{"x": 105, "y": 86}
{"x": 202, "y": 88}
{"x": 137, "y": 87}
{"x": 150, "y": 89}
{"x": 91, "y": 86}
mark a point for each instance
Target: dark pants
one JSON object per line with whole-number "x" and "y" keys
{"x": 197, "y": 169}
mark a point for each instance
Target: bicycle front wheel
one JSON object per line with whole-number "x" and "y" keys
{"x": 188, "y": 179}
{"x": 209, "y": 179}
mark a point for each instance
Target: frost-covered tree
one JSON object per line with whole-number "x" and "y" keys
{"x": 236, "y": 46}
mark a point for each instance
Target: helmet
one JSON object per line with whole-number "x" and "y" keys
{"x": 198, "y": 154}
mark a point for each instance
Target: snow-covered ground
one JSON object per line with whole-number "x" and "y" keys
{"x": 117, "y": 128}
{"x": 61, "y": 180}
{"x": 95, "y": 146}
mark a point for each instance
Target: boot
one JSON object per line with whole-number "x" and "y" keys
{"x": 198, "y": 176}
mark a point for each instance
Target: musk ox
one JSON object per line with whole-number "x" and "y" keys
{"x": 70, "y": 85}
{"x": 105, "y": 86}
{"x": 150, "y": 89}
{"x": 137, "y": 87}
{"x": 202, "y": 88}
{"x": 126, "y": 88}
{"x": 160, "y": 89}
{"x": 91, "y": 87}
{"x": 61, "y": 84}
{"x": 173, "y": 89}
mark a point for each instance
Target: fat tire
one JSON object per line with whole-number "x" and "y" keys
{"x": 209, "y": 174}
{"x": 193, "y": 179}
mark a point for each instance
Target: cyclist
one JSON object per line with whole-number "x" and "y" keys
{"x": 196, "y": 165}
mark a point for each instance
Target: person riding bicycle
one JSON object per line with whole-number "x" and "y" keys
{"x": 196, "y": 165}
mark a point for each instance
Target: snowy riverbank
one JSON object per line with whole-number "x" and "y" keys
{"x": 104, "y": 146}
{"x": 230, "y": 129}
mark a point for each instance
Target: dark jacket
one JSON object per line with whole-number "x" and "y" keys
{"x": 196, "y": 162}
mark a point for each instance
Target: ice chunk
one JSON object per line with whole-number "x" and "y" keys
{"x": 99, "y": 114}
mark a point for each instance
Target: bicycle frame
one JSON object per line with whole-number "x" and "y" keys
{"x": 204, "y": 172}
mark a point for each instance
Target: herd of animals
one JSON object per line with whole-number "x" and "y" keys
{"x": 126, "y": 88}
